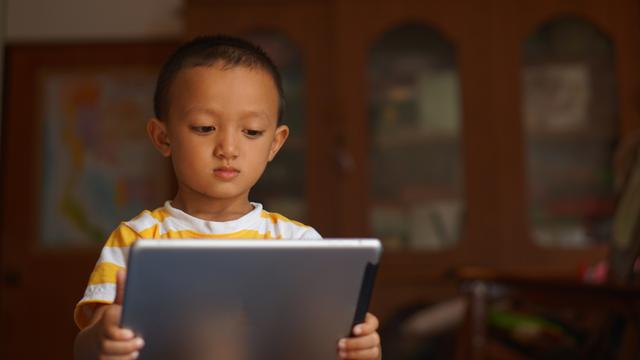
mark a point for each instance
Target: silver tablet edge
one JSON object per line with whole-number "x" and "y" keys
{"x": 256, "y": 243}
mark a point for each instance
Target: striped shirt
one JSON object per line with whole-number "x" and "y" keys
{"x": 168, "y": 222}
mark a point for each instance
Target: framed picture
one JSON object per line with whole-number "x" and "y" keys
{"x": 76, "y": 157}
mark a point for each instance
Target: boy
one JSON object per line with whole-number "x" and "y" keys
{"x": 218, "y": 115}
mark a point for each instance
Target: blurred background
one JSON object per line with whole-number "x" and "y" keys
{"x": 491, "y": 145}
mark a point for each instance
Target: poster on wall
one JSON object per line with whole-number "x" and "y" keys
{"x": 98, "y": 167}
{"x": 76, "y": 159}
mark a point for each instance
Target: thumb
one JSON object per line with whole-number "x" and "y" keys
{"x": 121, "y": 277}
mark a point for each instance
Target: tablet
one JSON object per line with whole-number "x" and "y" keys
{"x": 247, "y": 299}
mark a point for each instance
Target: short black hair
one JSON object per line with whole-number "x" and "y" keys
{"x": 211, "y": 50}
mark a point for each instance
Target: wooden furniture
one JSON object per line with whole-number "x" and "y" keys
{"x": 600, "y": 306}
{"x": 336, "y": 40}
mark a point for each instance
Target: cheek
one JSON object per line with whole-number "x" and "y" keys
{"x": 265, "y": 152}
{"x": 192, "y": 148}
{"x": 188, "y": 158}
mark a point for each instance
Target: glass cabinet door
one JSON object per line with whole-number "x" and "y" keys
{"x": 282, "y": 187}
{"x": 571, "y": 125}
{"x": 415, "y": 144}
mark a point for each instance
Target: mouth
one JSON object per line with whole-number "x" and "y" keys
{"x": 226, "y": 172}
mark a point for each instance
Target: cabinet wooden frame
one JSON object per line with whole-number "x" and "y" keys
{"x": 618, "y": 20}
{"x": 487, "y": 37}
{"x": 497, "y": 231}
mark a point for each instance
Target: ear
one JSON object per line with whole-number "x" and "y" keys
{"x": 159, "y": 136}
{"x": 280, "y": 136}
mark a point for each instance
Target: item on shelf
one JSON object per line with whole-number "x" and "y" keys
{"x": 567, "y": 234}
{"x": 556, "y": 97}
{"x": 435, "y": 225}
{"x": 625, "y": 247}
{"x": 438, "y": 101}
{"x": 399, "y": 108}
{"x": 389, "y": 224}
{"x": 531, "y": 333}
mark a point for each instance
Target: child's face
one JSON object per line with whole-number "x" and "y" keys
{"x": 221, "y": 130}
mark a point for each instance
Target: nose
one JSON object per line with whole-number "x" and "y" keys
{"x": 226, "y": 147}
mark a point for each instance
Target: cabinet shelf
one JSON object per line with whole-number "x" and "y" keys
{"x": 413, "y": 137}
{"x": 569, "y": 136}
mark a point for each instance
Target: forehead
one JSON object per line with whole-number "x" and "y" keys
{"x": 224, "y": 89}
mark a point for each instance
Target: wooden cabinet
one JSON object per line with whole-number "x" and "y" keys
{"x": 490, "y": 57}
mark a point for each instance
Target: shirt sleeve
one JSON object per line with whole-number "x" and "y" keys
{"x": 310, "y": 234}
{"x": 101, "y": 288}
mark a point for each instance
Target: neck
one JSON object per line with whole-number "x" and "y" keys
{"x": 212, "y": 210}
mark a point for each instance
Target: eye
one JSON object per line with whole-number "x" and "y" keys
{"x": 252, "y": 133}
{"x": 203, "y": 129}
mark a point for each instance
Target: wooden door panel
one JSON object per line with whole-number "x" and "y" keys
{"x": 41, "y": 284}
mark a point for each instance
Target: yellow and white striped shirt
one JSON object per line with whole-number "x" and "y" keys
{"x": 168, "y": 222}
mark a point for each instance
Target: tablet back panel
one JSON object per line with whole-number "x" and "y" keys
{"x": 247, "y": 299}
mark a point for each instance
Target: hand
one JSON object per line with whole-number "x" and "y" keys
{"x": 365, "y": 342}
{"x": 115, "y": 342}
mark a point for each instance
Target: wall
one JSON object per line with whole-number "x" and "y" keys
{"x": 92, "y": 20}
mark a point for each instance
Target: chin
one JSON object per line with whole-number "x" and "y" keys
{"x": 226, "y": 195}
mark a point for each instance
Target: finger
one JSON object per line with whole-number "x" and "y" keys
{"x": 111, "y": 324}
{"x": 121, "y": 277}
{"x": 369, "y": 325}
{"x": 120, "y": 348}
{"x": 113, "y": 331}
{"x": 372, "y": 353}
{"x": 359, "y": 343}
{"x": 118, "y": 334}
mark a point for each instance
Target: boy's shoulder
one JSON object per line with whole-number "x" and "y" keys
{"x": 287, "y": 228}
{"x": 279, "y": 218}
{"x": 148, "y": 218}
{"x": 155, "y": 215}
